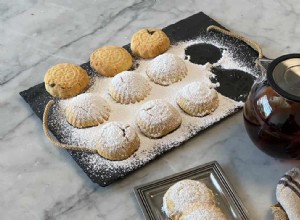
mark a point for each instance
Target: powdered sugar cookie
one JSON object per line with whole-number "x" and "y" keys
{"x": 157, "y": 118}
{"x": 87, "y": 110}
{"x": 166, "y": 69}
{"x": 198, "y": 99}
{"x": 110, "y": 60}
{"x": 66, "y": 80}
{"x": 129, "y": 87}
{"x": 117, "y": 141}
{"x": 183, "y": 194}
{"x": 150, "y": 42}
{"x": 202, "y": 212}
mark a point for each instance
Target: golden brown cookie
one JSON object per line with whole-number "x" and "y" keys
{"x": 66, "y": 80}
{"x": 117, "y": 141}
{"x": 87, "y": 110}
{"x": 110, "y": 60}
{"x": 157, "y": 118}
{"x": 198, "y": 99}
{"x": 149, "y": 43}
{"x": 129, "y": 87}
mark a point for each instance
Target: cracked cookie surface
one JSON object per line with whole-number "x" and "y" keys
{"x": 118, "y": 141}
{"x": 158, "y": 118}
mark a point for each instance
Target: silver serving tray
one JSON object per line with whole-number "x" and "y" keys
{"x": 150, "y": 195}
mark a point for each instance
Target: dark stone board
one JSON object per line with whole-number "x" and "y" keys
{"x": 186, "y": 29}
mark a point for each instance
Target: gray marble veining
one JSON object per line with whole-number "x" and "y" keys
{"x": 39, "y": 181}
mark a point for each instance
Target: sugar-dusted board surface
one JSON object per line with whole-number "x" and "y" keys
{"x": 190, "y": 28}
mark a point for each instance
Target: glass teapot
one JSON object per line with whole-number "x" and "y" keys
{"x": 272, "y": 110}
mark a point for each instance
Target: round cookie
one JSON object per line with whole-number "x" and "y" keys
{"x": 110, "y": 60}
{"x": 117, "y": 141}
{"x": 66, "y": 80}
{"x": 198, "y": 99}
{"x": 203, "y": 212}
{"x": 157, "y": 118}
{"x": 166, "y": 69}
{"x": 150, "y": 42}
{"x": 183, "y": 194}
{"x": 87, "y": 110}
{"x": 129, "y": 87}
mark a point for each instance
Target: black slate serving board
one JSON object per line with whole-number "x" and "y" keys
{"x": 235, "y": 85}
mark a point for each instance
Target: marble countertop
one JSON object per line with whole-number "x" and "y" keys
{"x": 40, "y": 181}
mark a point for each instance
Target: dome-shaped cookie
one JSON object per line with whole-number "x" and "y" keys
{"x": 203, "y": 212}
{"x": 157, "y": 118}
{"x": 66, "y": 80}
{"x": 129, "y": 87}
{"x": 110, "y": 60}
{"x": 198, "y": 99}
{"x": 183, "y": 194}
{"x": 148, "y": 43}
{"x": 166, "y": 69}
{"x": 117, "y": 141}
{"x": 87, "y": 110}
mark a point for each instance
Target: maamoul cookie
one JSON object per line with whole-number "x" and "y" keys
{"x": 66, "y": 80}
{"x": 129, "y": 87}
{"x": 86, "y": 110}
{"x": 183, "y": 194}
{"x": 203, "y": 212}
{"x": 166, "y": 69}
{"x": 198, "y": 99}
{"x": 157, "y": 118}
{"x": 117, "y": 141}
{"x": 148, "y": 43}
{"x": 110, "y": 60}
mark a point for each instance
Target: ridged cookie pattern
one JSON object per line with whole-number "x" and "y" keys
{"x": 198, "y": 99}
{"x": 166, "y": 69}
{"x": 129, "y": 87}
{"x": 87, "y": 110}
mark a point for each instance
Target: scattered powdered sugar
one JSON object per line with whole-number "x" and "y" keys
{"x": 106, "y": 170}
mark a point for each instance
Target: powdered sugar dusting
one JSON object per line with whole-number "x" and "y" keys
{"x": 149, "y": 148}
{"x": 88, "y": 106}
{"x": 129, "y": 87}
{"x": 198, "y": 92}
{"x": 184, "y": 194}
{"x": 157, "y": 111}
{"x": 166, "y": 69}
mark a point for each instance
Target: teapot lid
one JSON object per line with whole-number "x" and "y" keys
{"x": 283, "y": 74}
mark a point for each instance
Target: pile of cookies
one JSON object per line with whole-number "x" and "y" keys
{"x": 155, "y": 119}
{"x": 191, "y": 200}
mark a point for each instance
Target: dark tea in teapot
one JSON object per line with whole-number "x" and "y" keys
{"x": 272, "y": 110}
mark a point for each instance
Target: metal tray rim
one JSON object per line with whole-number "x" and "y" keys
{"x": 140, "y": 190}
